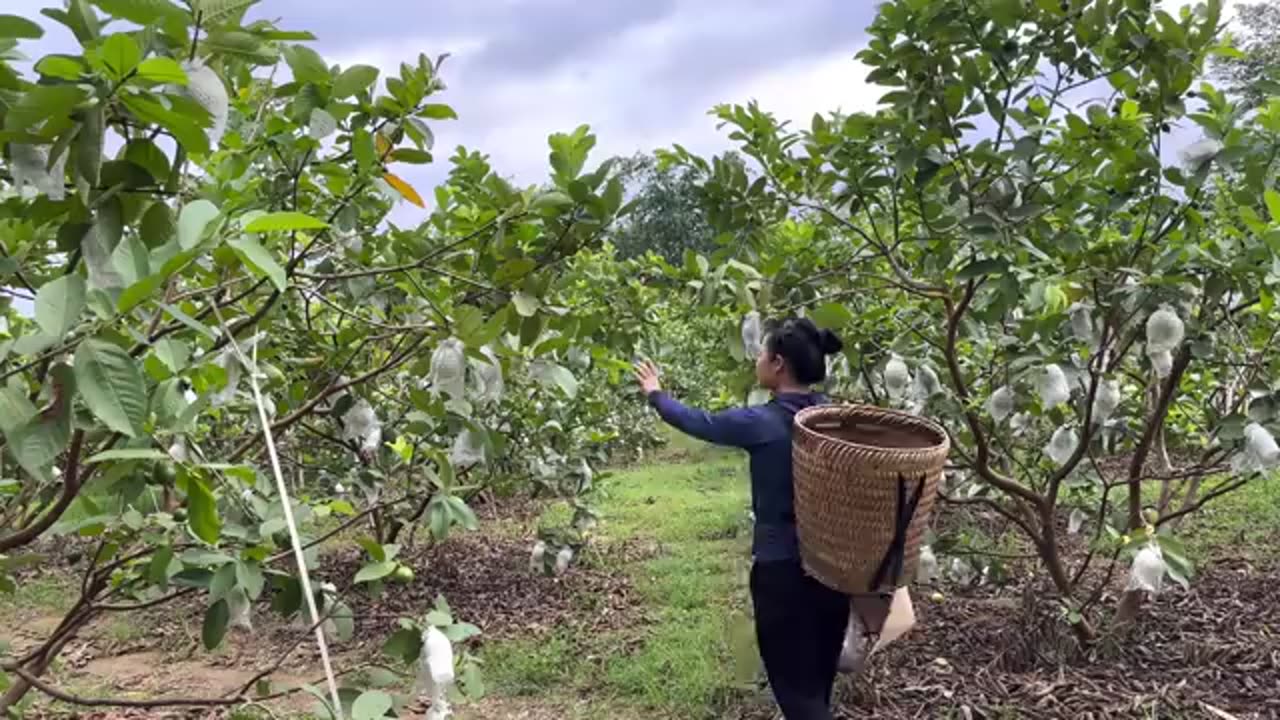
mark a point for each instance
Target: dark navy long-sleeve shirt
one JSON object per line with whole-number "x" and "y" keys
{"x": 764, "y": 431}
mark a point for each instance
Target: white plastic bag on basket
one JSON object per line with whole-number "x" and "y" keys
{"x": 1053, "y": 387}
{"x": 902, "y": 617}
{"x": 1147, "y": 571}
{"x": 435, "y": 673}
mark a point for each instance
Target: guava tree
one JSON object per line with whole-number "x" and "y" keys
{"x": 1008, "y": 245}
{"x": 207, "y": 310}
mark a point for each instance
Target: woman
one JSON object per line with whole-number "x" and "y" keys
{"x": 800, "y": 623}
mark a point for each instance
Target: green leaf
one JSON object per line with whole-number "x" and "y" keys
{"x": 142, "y": 12}
{"x": 15, "y": 409}
{"x": 284, "y": 222}
{"x": 371, "y": 705}
{"x": 979, "y": 268}
{"x": 307, "y": 65}
{"x": 260, "y": 260}
{"x": 59, "y": 305}
{"x": 527, "y": 305}
{"x": 249, "y": 576}
{"x": 162, "y": 70}
{"x": 173, "y": 353}
{"x": 215, "y": 624}
{"x": 375, "y": 571}
{"x": 112, "y": 386}
{"x": 61, "y": 67}
{"x": 39, "y": 442}
{"x": 193, "y": 220}
{"x": 404, "y": 645}
{"x": 354, "y": 80}
{"x": 121, "y": 54}
{"x": 552, "y": 375}
{"x": 438, "y": 111}
{"x": 41, "y": 102}
{"x": 19, "y": 28}
{"x": 217, "y": 10}
{"x": 202, "y": 511}
{"x": 832, "y": 316}
{"x": 188, "y": 133}
{"x": 148, "y": 156}
{"x": 128, "y": 454}
{"x": 1273, "y": 205}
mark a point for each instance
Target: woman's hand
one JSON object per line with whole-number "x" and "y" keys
{"x": 647, "y": 375}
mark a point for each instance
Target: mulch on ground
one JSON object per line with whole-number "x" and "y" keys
{"x": 1216, "y": 646}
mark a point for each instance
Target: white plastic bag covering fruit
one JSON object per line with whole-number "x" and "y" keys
{"x": 1260, "y": 450}
{"x": 96, "y": 248}
{"x": 752, "y": 334}
{"x": 449, "y": 369}
{"x": 563, "y": 558}
{"x": 1001, "y": 403}
{"x": 961, "y": 571}
{"x": 1147, "y": 571}
{"x": 927, "y": 571}
{"x": 435, "y": 672}
{"x": 1062, "y": 445}
{"x": 926, "y": 384}
{"x": 231, "y": 367}
{"x": 1081, "y": 322}
{"x": 1053, "y": 387}
{"x": 1165, "y": 330}
{"x": 1161, "y": 362}
{"x": 238, "y": 603}
{"x": 538, "y": 557}
{"x": 361, "y": 423}
{"x": 467, "y": 450}
{"x": 29, "y": 165}
{"x": 1105, "y": 401}
{"x": 207, "y": 89}
{"x": 1200, "y": 152}
{"x": 1075, "y": 522}
{"x": 489, "y": 384}
{"x": 178, "y": 451}
{"x": 896, "y": 376}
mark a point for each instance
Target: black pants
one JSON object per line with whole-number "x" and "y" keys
{"x": 800, "y": 626}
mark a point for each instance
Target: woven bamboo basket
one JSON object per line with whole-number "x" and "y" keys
{"x": 848, "y": 463}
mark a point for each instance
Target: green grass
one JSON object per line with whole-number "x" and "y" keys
{"x": 41, "y": 595}
{"x": 1243, "y": 522}
{"x": 688, "y": 660}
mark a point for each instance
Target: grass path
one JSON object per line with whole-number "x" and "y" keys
{"x": 693, "y": 653}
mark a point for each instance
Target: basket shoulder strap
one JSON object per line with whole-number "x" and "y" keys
{"x": 891, "y": 565}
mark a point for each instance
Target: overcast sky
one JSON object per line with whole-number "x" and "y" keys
{"x": 642, "y": 73}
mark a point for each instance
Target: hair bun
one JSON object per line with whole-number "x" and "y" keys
{"x": 829, "y": 342}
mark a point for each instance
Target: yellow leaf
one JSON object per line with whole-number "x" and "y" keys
{"x": 405, "y": 189}
{"x": 384, "y": 146}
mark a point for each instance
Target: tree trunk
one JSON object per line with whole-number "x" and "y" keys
{"x": 1048, "y": 549}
